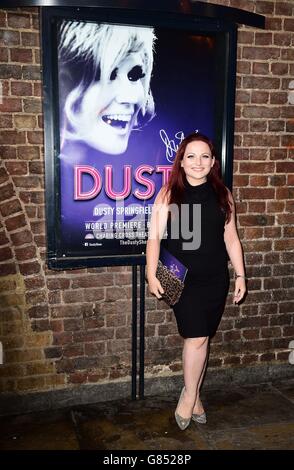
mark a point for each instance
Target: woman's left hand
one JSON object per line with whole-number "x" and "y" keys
{"x": 240, "y": 289}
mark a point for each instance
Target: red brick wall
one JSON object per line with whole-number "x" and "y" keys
{"x": 64, "y": 328}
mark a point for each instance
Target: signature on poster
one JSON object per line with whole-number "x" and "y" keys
{"x": 171, "y": 145}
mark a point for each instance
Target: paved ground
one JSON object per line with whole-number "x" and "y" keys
{"x": 239, "y": 418}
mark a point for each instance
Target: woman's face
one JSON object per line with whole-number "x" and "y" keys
{"x": 197, "y": 162}
{"x": 108, "y": 111}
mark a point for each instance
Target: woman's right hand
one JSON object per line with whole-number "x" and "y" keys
{"x": 155, "y": 287}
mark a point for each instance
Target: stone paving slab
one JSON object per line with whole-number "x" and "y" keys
{"x": 286, "y": 388}
{"x": 239, "y": 418}
{"x": 266, "y": 437}
{"x": 151, "y": 426}
{"x": 246, "y": 406}
{"x": 38, "y": 431}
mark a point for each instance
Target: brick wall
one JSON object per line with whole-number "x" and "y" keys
{"x": 64, "y": 328}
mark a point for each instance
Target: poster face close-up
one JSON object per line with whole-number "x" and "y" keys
{"x": 127, "y": 97}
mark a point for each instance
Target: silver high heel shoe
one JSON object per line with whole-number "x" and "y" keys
{"x": 201, "y": 419}
{"x": 183, "y": 423}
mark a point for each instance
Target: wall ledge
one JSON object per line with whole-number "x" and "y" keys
{"x": 19, "y": 403}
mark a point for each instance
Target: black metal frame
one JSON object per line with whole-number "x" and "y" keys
{"x": 187, "y": 7}
{"x": 140, "y": 391}
{"x": 227, "y": 38}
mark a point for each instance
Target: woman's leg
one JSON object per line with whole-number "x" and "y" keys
{"x": 198, "y": 408}
{"x": 194, "y": 357}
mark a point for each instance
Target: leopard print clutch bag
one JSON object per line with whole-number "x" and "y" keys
{"x": 172, "y": 286}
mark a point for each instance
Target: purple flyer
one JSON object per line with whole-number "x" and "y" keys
{"x": 173, "y": 264}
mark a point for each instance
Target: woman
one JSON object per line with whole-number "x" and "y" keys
{"x": 104, "y": 80}
{"x": 194, "y": 181}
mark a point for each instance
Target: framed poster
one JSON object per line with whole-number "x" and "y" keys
{"x": 121, "y": 90}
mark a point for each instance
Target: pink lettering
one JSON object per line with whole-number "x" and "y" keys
{"x": 79, "y": 170}
{"x": 165, "y": 170}
{"x": 145, "y": 182}
{"x": 109, "y": 183}
{"x": 82, "y": 170}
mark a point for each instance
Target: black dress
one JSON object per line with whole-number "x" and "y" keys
{"x": 200, "y": 308}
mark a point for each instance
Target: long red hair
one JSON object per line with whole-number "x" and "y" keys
{"x": 176, "y": 183}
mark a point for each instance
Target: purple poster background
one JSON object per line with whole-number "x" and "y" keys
{"x": 112, "y": 154}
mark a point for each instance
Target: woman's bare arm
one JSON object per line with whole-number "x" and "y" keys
{"x": 156, "y": 230}
{"x": 235, "y": 252}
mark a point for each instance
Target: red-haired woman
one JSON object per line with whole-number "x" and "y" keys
{"x": 195, "y": 183}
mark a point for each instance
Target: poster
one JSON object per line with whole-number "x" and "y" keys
{"x": 127, "y": 97}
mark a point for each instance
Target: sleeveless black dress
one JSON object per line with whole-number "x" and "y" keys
{"x": 200, "y": 308}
